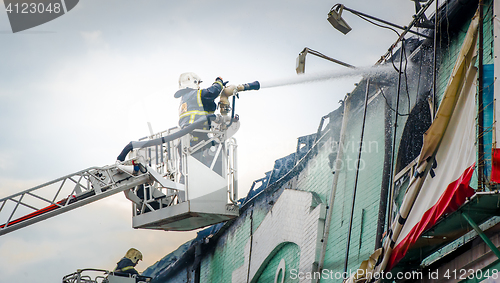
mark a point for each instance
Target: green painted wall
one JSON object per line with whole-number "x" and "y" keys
{"x": 290, "y": 253}
{"x": 228, "y": 255}
{"x": 368, "y": 190}
{"x": 450, "y": 47}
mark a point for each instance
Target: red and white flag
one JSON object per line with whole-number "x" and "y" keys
{"x": 446, "y": 186}
{"x": 446, "y": 162}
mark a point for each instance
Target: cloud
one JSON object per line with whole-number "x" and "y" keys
{"x": 92, "y": 37}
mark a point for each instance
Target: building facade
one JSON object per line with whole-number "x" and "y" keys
{"x": 326, "y": 208}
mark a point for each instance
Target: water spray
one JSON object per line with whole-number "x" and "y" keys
{"x": 325, "y": 76}
{"x": 233, "y": 90}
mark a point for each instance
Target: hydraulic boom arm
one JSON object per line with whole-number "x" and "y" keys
{"x": 67, "y": 193}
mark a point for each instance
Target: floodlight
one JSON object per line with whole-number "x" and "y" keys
{"x": 300, "y": 67}
{"x": 301, "y": 60}
{"x": 335, "y": 18}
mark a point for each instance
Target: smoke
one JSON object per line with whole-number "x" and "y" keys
{"x": 324, "y": 76}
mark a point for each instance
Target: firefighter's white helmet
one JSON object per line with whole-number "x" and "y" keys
{"x": 189, "y": 80}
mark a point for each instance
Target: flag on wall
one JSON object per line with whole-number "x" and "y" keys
{"x": 446, "y": 186}
{"x": 446, "y": 161}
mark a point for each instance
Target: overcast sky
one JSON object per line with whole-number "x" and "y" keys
{"x": 76, "y": 90}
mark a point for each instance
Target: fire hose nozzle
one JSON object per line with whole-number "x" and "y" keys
{"x": 250, "y": 86}
{"x": 232, "y": 89}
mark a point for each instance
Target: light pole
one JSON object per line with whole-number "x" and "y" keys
{"x": 336, "y": 20}
{"x": 301, "y": 60}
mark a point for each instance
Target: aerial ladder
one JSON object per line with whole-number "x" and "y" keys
{"x": 173, "y": 183}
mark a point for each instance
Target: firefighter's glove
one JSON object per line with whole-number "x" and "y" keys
{"x": 221, "y": 81}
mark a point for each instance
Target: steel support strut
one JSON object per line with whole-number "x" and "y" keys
{"x": 481, "y": 234}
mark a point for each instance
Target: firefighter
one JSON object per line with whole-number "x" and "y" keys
{"x": 197, "y": 103}
{"x": 126, "y": 264}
